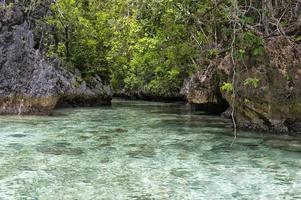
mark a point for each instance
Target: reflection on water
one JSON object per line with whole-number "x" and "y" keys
{"x": 142, "y": 150}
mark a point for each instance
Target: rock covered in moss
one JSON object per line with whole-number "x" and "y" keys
{"x": 273, "y": 103}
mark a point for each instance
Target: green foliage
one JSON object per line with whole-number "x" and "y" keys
{"x": 288, "y": 77}
{"x": 149, "y": 46}
{"x": 213, "y": 53}
{"x": 80, "y": 36}
{"x": 250, "y": 45}
{"x": 151, "y": 49}
{"x": 138, "y": 45}
{"x": 227, "y": 87}
{"x": 247, "y": 101}
{"x": 252, "y": 82}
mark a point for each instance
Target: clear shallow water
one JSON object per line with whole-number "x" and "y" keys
{"x": 142, "y": 151}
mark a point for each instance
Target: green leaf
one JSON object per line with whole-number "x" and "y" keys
{"x": 227, "y": 87}
{"x": 252, "y": 81}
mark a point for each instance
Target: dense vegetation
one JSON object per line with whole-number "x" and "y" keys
{"x": 139, "y": 45}
{"x": 151, "y": 46}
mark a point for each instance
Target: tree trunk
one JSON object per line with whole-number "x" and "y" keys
{"x": 267, "y": 14}
{"x": 67, "y": 43}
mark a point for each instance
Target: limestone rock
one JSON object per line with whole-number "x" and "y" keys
{"x": 31, "y": 85}
{"x": 203, "y": 92}
{"x": 272, "y": 105}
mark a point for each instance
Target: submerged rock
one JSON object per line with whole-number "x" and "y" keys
{"x": 288, "y": 145}
{"x": 119, "y": 130}
{"x": 142, "y": 197}
{"x": 29, "y": 84}
{"x": 141, "y": 151}
{"x": 180, "y": 172}
{"x": 18, "y": 135}
{"x": 16, "y": 146}
{"x": 60, "y": 149}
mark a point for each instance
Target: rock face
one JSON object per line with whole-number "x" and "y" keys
{"x": 74, "y": 91}
{"x": 272, "y": 102}
{"x": 202, "y": 91}
{"x": 31, "y": 85}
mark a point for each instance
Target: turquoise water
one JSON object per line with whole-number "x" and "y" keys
{"x": 142, "y": 151}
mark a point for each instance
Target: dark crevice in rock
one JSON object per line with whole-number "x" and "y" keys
{"x": 212, "y": 108}
{"x": 293, "y": 125}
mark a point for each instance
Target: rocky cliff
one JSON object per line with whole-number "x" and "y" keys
{"x": 29, "y": 84}
{"x": 267, "y": 89}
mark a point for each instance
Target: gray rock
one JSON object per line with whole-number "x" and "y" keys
{"x": 29, "y": 84}
{"x": 202, "y": 91}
